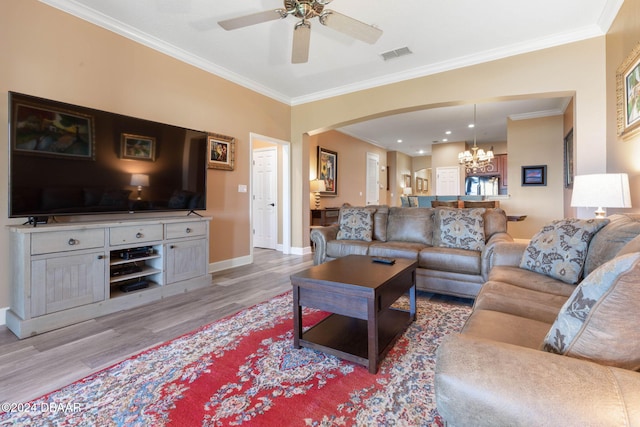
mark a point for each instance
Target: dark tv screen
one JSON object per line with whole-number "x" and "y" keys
{"x": 71, "y": 160}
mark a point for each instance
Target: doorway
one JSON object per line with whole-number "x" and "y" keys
{"x": 265, "y": 197}
{"x": 448, "y": 181}
{"x": 259, "y": 146}
{"x": 373, "y": 179}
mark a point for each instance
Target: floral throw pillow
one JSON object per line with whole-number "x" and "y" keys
{"x": 594, "y": 322}
{"x": 559, "y": 249}
{"x": 356, "y": 224}
{"x": 460, "y": 228}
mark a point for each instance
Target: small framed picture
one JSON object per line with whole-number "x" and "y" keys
{"x": 221, "y": 151}
{"x": 534, "y": 175}
{"x": 328, "y": 171}
{"x": 138, "y": 147}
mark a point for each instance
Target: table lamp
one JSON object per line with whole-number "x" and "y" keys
{"x": 139, "y": 180}
{"x": 605, "y": 190}
{"x": 316, "y": 186}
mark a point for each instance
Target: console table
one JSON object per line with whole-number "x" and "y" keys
{"x": 67, "y": 273}
{"x": 324, "y": 217}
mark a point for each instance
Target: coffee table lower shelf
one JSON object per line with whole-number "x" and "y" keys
{"x": 352, "y": 342}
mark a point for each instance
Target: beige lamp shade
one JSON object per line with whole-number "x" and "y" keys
{"x": 317, "y": 185}
{"x": 606, "y": 190}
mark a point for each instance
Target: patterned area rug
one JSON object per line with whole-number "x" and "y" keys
{"x": 243, "y": 370}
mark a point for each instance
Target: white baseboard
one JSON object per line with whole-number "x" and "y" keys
{"x": 301, "y": 251}
{"x": 3, "y": 315}
{"x": 230, "y": 263}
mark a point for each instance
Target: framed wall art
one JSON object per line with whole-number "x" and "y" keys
{"x": 328, "y": 171}
{"x": 628, "y": 93}
{"x": 568, "y": 160}
{"x": 534, "y": 175}
{"x": 138, "y": 147}
{"x": 222, "y": 151}
{"x": 49, "y": 131}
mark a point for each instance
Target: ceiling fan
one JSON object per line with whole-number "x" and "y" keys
{"x": 306, "y": 10}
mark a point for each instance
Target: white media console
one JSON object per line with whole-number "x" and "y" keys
{"x": 67, "y": 273}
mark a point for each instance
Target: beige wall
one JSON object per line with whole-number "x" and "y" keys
{"x": 352, "y": 167}
{"x": 623, "y": 155}
{"x": 538, "y": 142}
{"x": 549, "y": 72}
{"x": 54, "y": 55}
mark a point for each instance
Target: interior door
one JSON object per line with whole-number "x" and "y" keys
{"x": 373, "y": 179}
{"x": 265, "y": 197}
{"x": 448, "y": 181}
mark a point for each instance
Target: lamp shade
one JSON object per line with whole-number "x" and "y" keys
{"x": 317, "y": 185}
{"x": 607, "y": 190}
{"x": 140, "y": 180}
{"x": 407, "y": 190}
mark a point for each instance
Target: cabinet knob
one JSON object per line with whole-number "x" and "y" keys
{"x": 73, "y": 242}
{"x": 101, "y": 256}
{"x": 172, "y": 246}
{"x": 188, "y": 230}
{"x": 139, "y": 235}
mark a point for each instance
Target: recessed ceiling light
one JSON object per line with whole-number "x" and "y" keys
{"x": 420, "y": 151}
{"x": 448, "y": 132}
{"x": 399, "y": 141}
{"x": 445, "y": 140}
{"x": 472, "y": 125}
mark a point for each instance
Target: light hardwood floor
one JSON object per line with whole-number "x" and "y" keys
{"x": 37, "y": 365}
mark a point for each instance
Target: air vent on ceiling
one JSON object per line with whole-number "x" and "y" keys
{"x": 396, "y": 53}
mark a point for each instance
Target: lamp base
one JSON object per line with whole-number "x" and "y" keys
{"x": 317, "y": 200}
{"x": 600, "y": 213}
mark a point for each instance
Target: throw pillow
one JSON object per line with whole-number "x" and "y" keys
{"x": 598, "y": 321}
{"x": 559, "y": 249}
{"x": 356, "y": 224}
{"x": 460, "y": 228}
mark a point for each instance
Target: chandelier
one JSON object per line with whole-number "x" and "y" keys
{"x": 476, "y": 160}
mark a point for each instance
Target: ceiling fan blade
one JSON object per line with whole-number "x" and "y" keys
{"x": 301, "y": 39}
{"x": 351, "y": 27}
{"x": 254, "y": 18}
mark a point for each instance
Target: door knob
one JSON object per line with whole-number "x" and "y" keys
{"x": 272, "y": 204}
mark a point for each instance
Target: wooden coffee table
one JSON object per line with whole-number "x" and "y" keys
{"x": 359, "y": 293}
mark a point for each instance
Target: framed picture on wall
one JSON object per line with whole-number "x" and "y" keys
{"x": 222, "y": 151}
{"x": 138, "y": 147}
{"x": 568, "y": 160}
{"x": 328, "y": 171}
{"x": 628, "y": 93}
{"x": 534, "y": 175}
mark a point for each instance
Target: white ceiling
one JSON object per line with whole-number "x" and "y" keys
{"x": 442, "y": 34}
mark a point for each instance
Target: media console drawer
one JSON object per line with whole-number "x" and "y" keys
{"x": 135, "y": 234}
{"x": 62, "y": 241}
{"x": 189, "y": 229}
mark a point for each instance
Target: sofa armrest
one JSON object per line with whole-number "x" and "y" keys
{"x": 486, "y": 383}
{"x": 320, "y": 237}
{"x": 507, "y": 253}
{"x": 487, "y": 252}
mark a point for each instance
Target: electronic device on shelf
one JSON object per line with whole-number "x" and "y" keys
{"x": 134, "y": 285}
{"x": 135, "y": 253}
{"x": 124, "y": 269}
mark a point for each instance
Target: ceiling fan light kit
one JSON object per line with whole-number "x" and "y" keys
{"x": 306, "y": 10}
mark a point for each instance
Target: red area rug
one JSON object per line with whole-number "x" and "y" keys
{"x": 243, "y": 370}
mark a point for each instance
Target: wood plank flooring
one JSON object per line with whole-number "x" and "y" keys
{"x": 34, "y": 366}
{"x": 37, "y": 365}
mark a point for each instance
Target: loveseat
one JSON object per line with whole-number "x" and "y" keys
{"x": 553, "y": 338}
{"x": 452, "y": 246}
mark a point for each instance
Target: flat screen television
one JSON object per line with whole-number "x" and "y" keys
{"x": 71, "y": 160}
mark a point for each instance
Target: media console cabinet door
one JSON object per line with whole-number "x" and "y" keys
{"x": 186, "y": 259}
{"x": 63, "y": 282}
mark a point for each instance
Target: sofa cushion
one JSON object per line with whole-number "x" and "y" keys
{"x": 459, "y": 228}
{"x": 410, "y": 225}
{"x": 559, "y": 249}
{"x": 607, "y": 242}
{"x": 380, "y": 222}
{"x": 340, "y": 248}
{"x": 450, "y": 259}
{"x": 356, "y": 224}
{"x": 599, "y": 320}
{"x": 391, "y": 249}
{"x": 522, "y": 302}
{"x": 495, "y": 221}
{"x": 506, "y": 328}
{"x": 530, "y": 280}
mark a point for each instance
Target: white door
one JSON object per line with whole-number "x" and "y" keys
{"x": 373, "y": 179}
{"x": 265, "y": 196}
{"x": 448, "y": 181}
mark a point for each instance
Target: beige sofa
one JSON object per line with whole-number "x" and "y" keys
{"x": 453, "y": 264}
{"x": 537, "y": 351}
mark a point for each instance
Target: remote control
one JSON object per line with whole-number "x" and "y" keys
{"x": 384, "y": 260}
